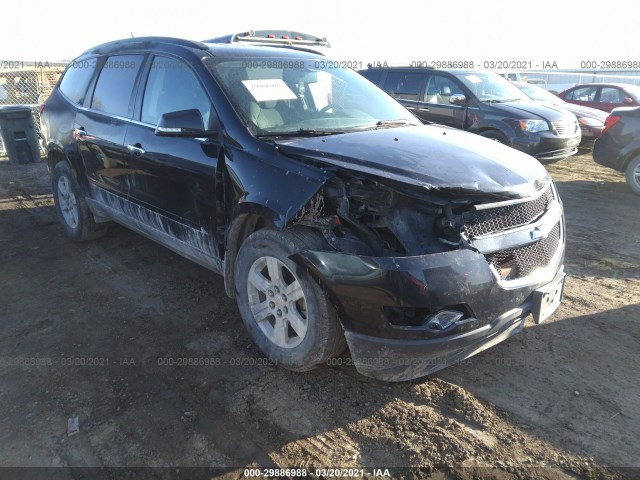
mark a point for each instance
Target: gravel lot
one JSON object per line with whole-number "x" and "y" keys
{"x": 98, "y": 331}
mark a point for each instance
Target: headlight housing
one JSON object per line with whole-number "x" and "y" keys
{"x": 590, "y": 122}
{"x": 533, "y": 125}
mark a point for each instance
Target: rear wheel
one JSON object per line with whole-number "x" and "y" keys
{"x": 633, "y": 175}
{"x": 73, "y": 212}
{"x": 286, "y": 312}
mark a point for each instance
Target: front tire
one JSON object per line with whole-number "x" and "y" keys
{"x": 495, "y": 135}
{"x": 633, "y": 175}
{"x": 73, "y": 212}
{"x": 286, "y": 312}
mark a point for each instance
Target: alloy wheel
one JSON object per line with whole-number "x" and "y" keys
{"x": 277, "y": 302}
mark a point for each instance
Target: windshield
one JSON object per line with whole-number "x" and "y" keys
{"x": 292, "y": 96}
{"x": 539, "y": 94}
{"x": 491, "y": 87}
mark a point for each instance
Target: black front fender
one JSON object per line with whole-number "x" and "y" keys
{"x": 273, "y": 185}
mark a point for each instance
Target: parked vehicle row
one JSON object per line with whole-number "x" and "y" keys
{"x": 334, "y": 215}
{"x": 603, "y": 96}
{"x": 484, "y": 103}
{"x": 591, "y": 120}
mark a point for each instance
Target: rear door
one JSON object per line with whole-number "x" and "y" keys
{"x": 405, "y": 86}
{"x": 434, "y": 104}
{"x": 610, "y": 98}
{"x": 173, "y": 177}
{"x": 100, "y": 129}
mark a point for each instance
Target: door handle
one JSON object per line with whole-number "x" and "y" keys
{"x": 424, "y": 110}
{"x": 136, "y": 149}
{"x": 79, "y": 133}
{"x": 408, "y": 107}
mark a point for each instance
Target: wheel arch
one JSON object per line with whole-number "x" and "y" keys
{"x": 55, "y": 154}
{"x": 633, "y": 152}
{"x": 491, "y": 129}
{"x": 244, "y": 223}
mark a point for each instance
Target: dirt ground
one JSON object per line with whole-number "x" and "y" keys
{"x": 98, "y": 331}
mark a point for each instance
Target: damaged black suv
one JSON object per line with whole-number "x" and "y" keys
{"x": 335, "y": 217}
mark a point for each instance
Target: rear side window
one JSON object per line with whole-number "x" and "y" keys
{"x": 172, "y": 86}
{"x": 404, "y": 85}
{"x": 115, "y": 84}
{"x": 76, "y": 79}
{"x": 611, "y": 95}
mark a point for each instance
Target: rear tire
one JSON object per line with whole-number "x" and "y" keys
{"x": 632, "y": 175}
{"x": 286, "y": 312}
{"x": 73, "y": 211}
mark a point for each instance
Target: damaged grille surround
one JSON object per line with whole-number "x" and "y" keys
{"x": 517, "y": 238}
{"x": 523, "y": 261}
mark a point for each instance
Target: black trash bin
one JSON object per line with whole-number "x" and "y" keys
{"x": 19, "y": 136}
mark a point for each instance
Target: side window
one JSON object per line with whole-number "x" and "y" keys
{"x": 172, "y": 86}
{"x": 611, "y": 95}
{"x": 403, "y": 85}
{"x": 76, "y": 79}
{"x": 439, "y": 89}
{"x": 115, "y": 84}
{"x": 584, "y": 94}
{"x": 374, "y": 76}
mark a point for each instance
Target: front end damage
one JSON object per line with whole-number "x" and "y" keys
{"x": 427, "y": 277}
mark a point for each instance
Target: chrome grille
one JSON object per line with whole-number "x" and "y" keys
{"x": 492, "y": 220}
{"x": 523, "y": 261}
{"x": 565, "y": 127}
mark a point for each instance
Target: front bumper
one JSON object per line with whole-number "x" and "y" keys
{"x": 399, "y": 360}
{"x": 590, "y": 133}
{"x": 364, "y": 288}
{"x": 547, "y": 146}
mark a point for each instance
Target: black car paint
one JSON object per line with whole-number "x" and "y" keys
{"x": 620, "y": 143}
{"x": 481, "y": 117}
{"x": 430, "y": 157}
{"x": 196, "y": 192}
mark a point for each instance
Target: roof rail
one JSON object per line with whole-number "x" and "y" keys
{"x": 143, "y": 42}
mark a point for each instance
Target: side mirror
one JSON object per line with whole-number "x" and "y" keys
{"x": 458, "y": 100}
{"x": 628, "y": 101}
{"x": 183, "y": 123}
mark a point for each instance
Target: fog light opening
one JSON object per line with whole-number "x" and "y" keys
{"x": 442, "y": 320}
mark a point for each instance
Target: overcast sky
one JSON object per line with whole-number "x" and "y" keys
{"x": 398, "y": 32}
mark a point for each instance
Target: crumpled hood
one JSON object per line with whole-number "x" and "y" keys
{"x": 427, "y": 156}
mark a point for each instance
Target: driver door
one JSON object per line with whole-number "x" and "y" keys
{"x": 173, "y": 177}
{"x": 434, "y": 104}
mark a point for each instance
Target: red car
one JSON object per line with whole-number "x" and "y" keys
{"x": 603, "y": 96}
{"x": 591, "y": 120}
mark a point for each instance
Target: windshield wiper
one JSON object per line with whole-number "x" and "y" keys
{"x": 301, "y": 132}
{"x": 383, "y": 124}
{"x": 502, "y": 100}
